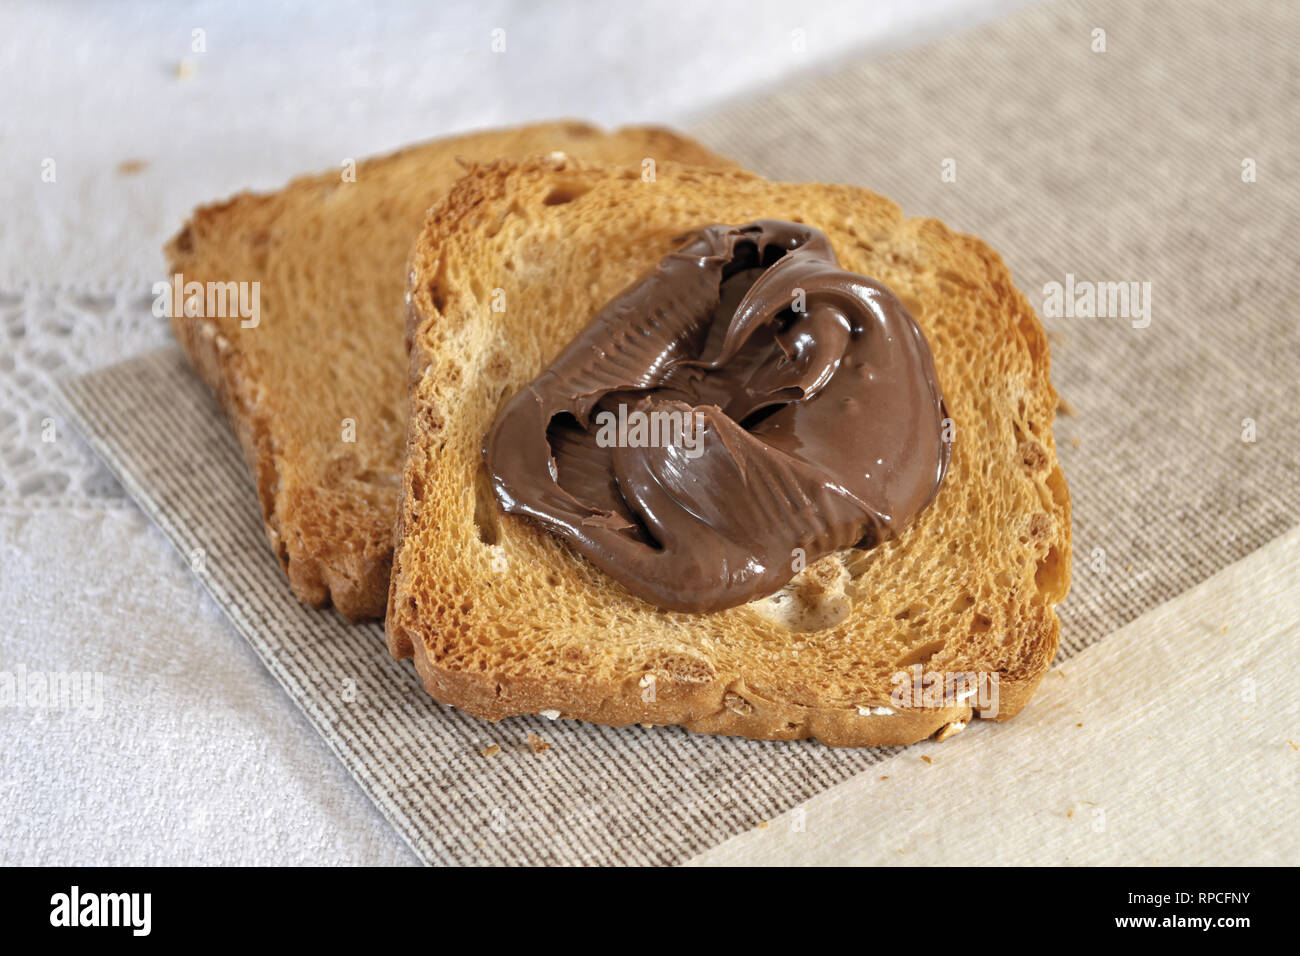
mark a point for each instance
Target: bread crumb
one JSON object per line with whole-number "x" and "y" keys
{"x": 1293, "y": 745}
{"x": 927, "y": 760}
{"x": 491, "y": 751}
{"x": 1078, "y": 725}
{"x": 764, "y": 825}
{"x": 185, "y": 69}
{"x": 864, "y": 711}
{"x": 950, "y": 730}
{"x": 885, "y": 777}
{"x": 1074, "y": 443}
{"x": 129, "y": 167}
{"x": 1070, "y": 813}
{"x": 1064, "y": 407}
{"x": 550, "y": 714}
{"x": 1225, "y": 629}
{"x": 538, "y": 745}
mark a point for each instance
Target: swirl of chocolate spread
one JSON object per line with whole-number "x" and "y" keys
{"x": 745, "y": 409}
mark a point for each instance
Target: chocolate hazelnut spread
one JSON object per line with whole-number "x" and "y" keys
{"x": 745, "y": 409}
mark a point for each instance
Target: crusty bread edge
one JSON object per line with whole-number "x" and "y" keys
{"x": 222, "y": 367}
{"x": 716, "y": 707}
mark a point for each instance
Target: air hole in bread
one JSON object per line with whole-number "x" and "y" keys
{"x": 563, "y": 193}
{"x": 1048, "y": 577}
{"x": 1056, "y": 483}
{"x": 920, "y": 654}
{"x": 439, "y": 301}
{"x": 913, "y": 615}
{"x": 962, "y": 602}
{"x": 981, "y": 624}
{"x": 858, "y": 561}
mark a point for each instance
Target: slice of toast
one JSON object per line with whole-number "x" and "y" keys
{"x": 503, "y": 618}
{"x": 316, "y": 391}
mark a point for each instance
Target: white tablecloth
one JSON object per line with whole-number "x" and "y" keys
{"x": 114, "y": 127}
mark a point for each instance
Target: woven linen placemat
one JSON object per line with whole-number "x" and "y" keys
{"x": 1161, "y": 150}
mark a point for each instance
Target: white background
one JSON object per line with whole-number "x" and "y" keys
{"x": 282, "y": 90}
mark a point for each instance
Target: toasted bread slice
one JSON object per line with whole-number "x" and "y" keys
{"x": 503, "y": 618}
{"x": 317, "y": 390}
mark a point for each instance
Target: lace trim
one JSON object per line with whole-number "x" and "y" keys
{"x": 51, "y": 333}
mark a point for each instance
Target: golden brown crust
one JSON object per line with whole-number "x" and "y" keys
{"x": 327, "y": 351}
{"x": 971, "y": 588}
